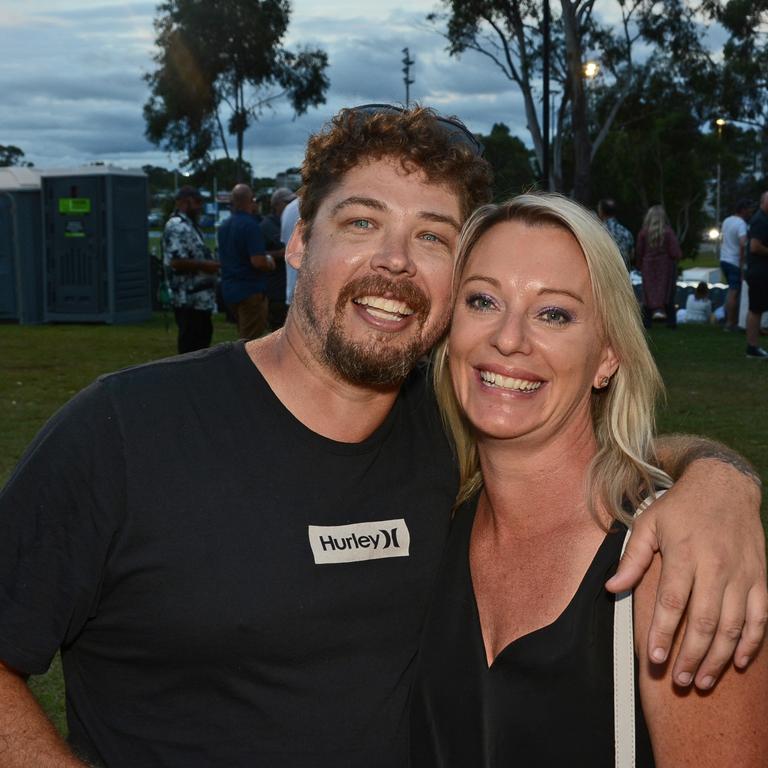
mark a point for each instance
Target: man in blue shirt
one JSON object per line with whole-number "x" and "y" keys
{"x": 244, "y": 265}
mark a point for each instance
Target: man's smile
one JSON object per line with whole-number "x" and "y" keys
{"x": 383, "y": 308}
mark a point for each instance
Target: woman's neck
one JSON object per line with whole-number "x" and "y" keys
{"x": 534, "y": 489}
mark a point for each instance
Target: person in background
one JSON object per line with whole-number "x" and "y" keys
{"x": 698, "y": 307}
{"x": 288, "y": 221}
{"x": 733, "y": 255}
{"x": 657, "y": 255}
{"x": 270, "y": 229}
{"x": 244, "y": 265}
{"x": 757, "y": 278}
{"x": 192, "y": 272}
{"x": 606, "y": 210}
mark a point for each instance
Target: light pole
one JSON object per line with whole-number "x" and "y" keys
{"x": 546, "y": 116}
{"x": 720, "y": 122}
{"x": 408, "y": 62}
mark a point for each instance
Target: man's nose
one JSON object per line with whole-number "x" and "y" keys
{"x": 394, "y": 255}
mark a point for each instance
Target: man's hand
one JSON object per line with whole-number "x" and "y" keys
{"x": 708, "y": 530}
{"x": 264, "y": 262}
{"x": 194, "y": 265}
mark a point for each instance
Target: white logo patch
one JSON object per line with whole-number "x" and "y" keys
{"x": 359, "y": 541}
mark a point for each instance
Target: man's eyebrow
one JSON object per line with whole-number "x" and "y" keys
{"x": 440, "y": 218}
{"x": 380, "y": 205}
{"x": 367, "y": 202}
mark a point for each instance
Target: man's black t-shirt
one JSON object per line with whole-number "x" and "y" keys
{"x": 757, "y": 263}
{"x": 228, "y": 588}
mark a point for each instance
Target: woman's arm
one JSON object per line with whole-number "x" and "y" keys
{"x": 722, "y": 727}
{"x": 640, "y": 249}
{"x": 673, "y": 246}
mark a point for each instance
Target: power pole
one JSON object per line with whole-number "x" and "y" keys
{"x": 545, "y": 117}
{"x": 408, "y": 62}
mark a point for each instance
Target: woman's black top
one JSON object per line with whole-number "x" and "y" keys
{"x": 547, "y": 699}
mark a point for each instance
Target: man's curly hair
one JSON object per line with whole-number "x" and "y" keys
{"x": 416, "y": 136}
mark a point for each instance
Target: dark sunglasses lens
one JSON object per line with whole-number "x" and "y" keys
{"x": 454, "y": 128}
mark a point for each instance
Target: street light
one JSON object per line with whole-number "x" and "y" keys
{"x": 591, "y": 69}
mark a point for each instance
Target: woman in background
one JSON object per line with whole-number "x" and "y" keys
{"x": 698, "y": 307}
{"x": 548, "y": 387}
{"x": 656, "y": 255}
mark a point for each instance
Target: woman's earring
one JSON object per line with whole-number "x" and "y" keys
{"x": 604, "y": 382}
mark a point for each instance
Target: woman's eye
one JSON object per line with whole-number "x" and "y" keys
{"x": 431, "y": 237}
{"x": 481, "y": 302}
{"x": 555, "y": 316}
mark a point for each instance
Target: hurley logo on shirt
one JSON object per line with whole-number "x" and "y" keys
{"x": 359, "y": 541}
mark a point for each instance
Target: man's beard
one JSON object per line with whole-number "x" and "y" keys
{"x": 381, "y": 361}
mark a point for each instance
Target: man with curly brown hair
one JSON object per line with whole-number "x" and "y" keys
{"x": 265, "y": 609}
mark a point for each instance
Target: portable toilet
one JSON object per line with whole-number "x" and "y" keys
{"x": 97, "y": 266}
{"x": 21, "y": 245}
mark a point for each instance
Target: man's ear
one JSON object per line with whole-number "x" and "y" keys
{"x": 294, "y": 249}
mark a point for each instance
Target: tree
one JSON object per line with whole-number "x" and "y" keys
{"x": 658, "y": 153}
{"x": 226, "y": 171}
{"x": 743, "y": 95}
{"x": 509, "y": 33}
{"x": 511, "y": 161}
{"x": 222, "y": 62}
{"x": 12, "y": 155}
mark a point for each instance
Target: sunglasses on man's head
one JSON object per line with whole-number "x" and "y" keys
{"x": 454, "y": 128}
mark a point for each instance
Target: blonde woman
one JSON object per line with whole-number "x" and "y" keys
{"x": 548, "y": 388}
{"x": 657, "y": 254}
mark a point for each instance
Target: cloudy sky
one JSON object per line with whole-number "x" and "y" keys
{"x": 71, "y": 77}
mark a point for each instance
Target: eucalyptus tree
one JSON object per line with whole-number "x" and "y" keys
{"x": 221, "y": 64}
{"x": 509, "y": 34}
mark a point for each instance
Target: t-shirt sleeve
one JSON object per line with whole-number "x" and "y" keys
{"x": 58, "y": 515}
{"x": 758, "y": 230}
{"x": 255, "y": 241}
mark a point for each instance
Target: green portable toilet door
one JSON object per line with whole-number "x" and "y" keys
{"x": 75, "y": 249}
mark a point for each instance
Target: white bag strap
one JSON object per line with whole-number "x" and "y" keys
{"x": 624, "y": 667}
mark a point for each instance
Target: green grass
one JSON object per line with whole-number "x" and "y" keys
{"x": 712, "y": 389}
{"x": 42, "y": 366}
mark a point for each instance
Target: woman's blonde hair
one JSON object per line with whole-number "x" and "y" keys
{"x": 623, "y": 414}
{"x": 654, "y": 224}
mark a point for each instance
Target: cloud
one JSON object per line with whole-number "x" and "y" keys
{"x": 71, "y": 78}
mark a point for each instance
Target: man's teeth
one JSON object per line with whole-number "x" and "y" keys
{"x": 385, "y": 309}
{"x": 506, "y": 382}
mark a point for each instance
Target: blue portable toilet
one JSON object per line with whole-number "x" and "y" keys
{"x": 21, "y": 245}
{"x": 97, "y": 265}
